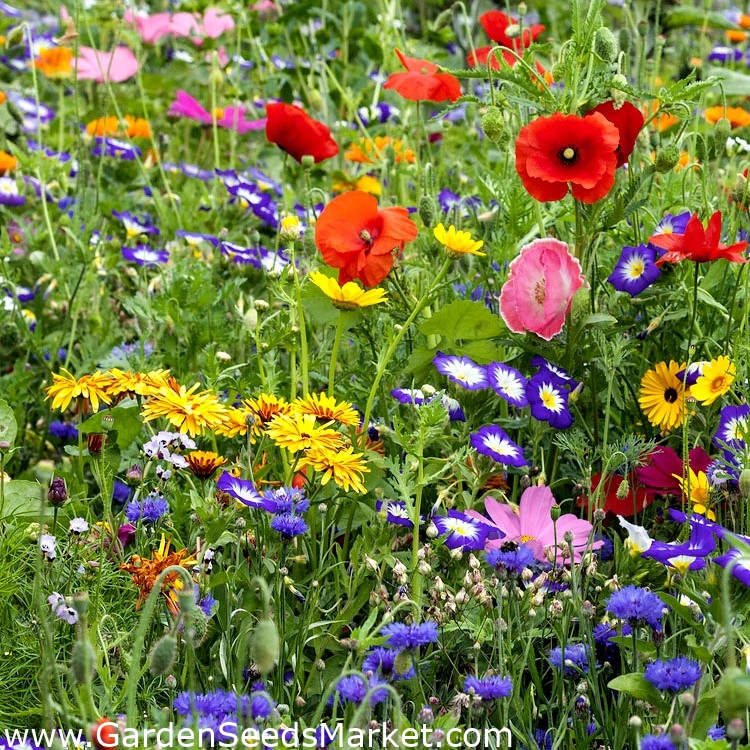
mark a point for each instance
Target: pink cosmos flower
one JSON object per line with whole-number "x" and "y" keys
{"x": 153, "y": 28}
{"x": 216, "y": 22}
{"x": 540, "y": 287}
{"x": 232, "y": 118}
{"x": 150, "y": 28}
{"x": 532, "y": 524}
{"x": 116, "y": 66}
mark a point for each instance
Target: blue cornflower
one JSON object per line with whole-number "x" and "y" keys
{"x": 285, "y": 500}
{"x": 63, "y": 430}
{"x": 654, "y": 742}
{"x": 206, "y": 604}
{"x": 382, "y": 661}
{"x": 353, "y": 689}
{"x": 676, "y": 674}
{"x": 289, "y": 525}
{"x": 637, "y": 606}
{"x": 261, "y": 705}
{"x": 573, "y": 660}
{"x": 510, "y": 558}
{"x": 402, "y": 636}
{"x": 148, "y": 510}
{"x": 489, "y": 688}
{"x": 716, "y": 733}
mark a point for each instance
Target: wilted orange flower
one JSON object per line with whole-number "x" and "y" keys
{"x": 7, "y": 162}
{"x": 369, "y": 151}
{"x": 737, "y": 116}
{"x": 55, "y": 62}
{"x": 144, "y": 572}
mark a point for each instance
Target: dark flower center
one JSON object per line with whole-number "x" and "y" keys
{"x": 568, "y": 155}
{"x": 670, "y": 395}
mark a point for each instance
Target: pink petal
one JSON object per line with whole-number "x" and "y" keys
{"x": 184, "y": 24}
{"x": 186, "y": 106}
{"x": 117, "y": 65}
{"x": 504, "y": 517}
{"x": 234, "y": 119}
{"x": 535, "y": 506}
{"x": 216, "y": 22}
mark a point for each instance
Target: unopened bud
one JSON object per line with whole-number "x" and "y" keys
{"x": 605, "y": 44}
{"x": 722, "y": 131}
{"x": 265, "y": 646}
{"x": 58, "y": 492}
{"x": 744, "y": 483}
{"x": 163, "y": 655}
{"x": 623, "y": 490}
{"x": 667, "y": 158}
{"x": 493, "y": 125}
{"x": 428, "y": 210}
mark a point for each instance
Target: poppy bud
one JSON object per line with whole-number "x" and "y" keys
{"x": 623, "y": 489}
{"x": 163, "y": 655}
{"x": 81, "y": 603}
{"x": 428, "y": 210}
{"x": 580, "y": 306}
{"x": 493, "y": 125}
{"x": 402, "y": 662}
{"x": 14, "y": 37}
{"x": 307, "y": 161}
{"x": 733, "y": 693}
{"x": 57, "y": 493}
{"x": 624, "y": 39}
{"x": 605, "y": 44}
{"x": 744, "y": 483}
{"x": 722, "y": 131}
{"x": 558, "y": 71}
{"x": 702, "y": 151}
{"x": 82, "y": 661}
{"x": 265, "y": 647}
{"x": 667, "y": 158}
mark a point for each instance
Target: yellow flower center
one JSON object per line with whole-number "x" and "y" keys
{"x": 526, "y": 538}
{"x": 569, "y": 153}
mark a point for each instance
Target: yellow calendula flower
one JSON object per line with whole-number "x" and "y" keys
{"x": 139, "y": 383}
{"x": 325, "y": 407}
{"x": 366, "y": 183}
{"x": 344, "y": 466}
{"x": 91, "y": 388}
{"x": 715, "y": 380}
{"x": 351, "y": 296}
{"x": 457, "y": 242}
{"x": 189, "y": 410}
{"x": 661, "y": 396}
{"x": 299, "y": 432}
{"x": 697, "y": 490}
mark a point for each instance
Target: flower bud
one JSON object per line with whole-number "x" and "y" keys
{"x": 265, "y": 647}
{"x": 163, "y": 655}
{"x": 733, "y": 694}
{"x": 735, "y": 730}
{"x": 605, "y": 44}
{"x": 722, "y": 131}
{"x": 82, "y": 661}
{"x": 57, "y": 493}
{"x": 744, "y": 483}
{"x": 134, "y": 474}
{"x": 623, "y": 490}
{"x": 493, "y": 125}
{"x": 428, "y": 210}
{"x": 635, "y": 722}
{"x": 624, "y": 39}
{"x": 667, "y": 158}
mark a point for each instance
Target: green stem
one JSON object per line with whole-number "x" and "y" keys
{"x": 385, "y": 360}
{"x": 304, "y": 359}
{"x": 335, "y": 353}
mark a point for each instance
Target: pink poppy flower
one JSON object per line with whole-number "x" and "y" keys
{"x": 116, "y": 66}
{"x": 232, "y": 118}
{"x": 540, "y": 287}
{"x": 532, "y": 524}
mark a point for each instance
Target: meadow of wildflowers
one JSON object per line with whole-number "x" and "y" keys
{"x": 374, "y": 367}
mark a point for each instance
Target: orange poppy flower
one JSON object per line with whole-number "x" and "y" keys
{"x": 360, "y": 239}
{"x": 737, "y": 116}
{"x": 7, "y": 162}
{"x": 3, "y": 97}
{"x": 562, "y": 152}
{"x": 422, "y": 82}
{"x": 55, "y": 62}
{"x": 370, "y": 151}
{"x": 295, "y": 132}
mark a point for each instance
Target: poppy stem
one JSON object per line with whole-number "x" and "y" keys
{"x": 335, "y": 353}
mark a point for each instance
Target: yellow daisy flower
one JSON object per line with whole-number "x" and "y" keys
{"x": 715, "y": 380}
{"x": 696, "y": 489}
{"x": 343, "y": 466}
{"x": 90, "y": 388}
{"x": 351, "y": 296}
{"x": 187, "y": 410}
{"x": 457, "y": 242}
{"x": 140, "y": 383}
{"x": 325, "y": 407}
{"x": 234, "y": 422}
{"x": 661, "y": 396}
{"x": 299, "y": 432}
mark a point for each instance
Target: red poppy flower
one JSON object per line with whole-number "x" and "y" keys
{"x": 561, "y": 150}
{"x": 698, "y": 244}
{"x": 422, "y": 82}
{"x": 499, "y": 28}
{"x": 295, "y": 132}
{"x": 634, "y": 501}
{"x": 628, "y": 120}
{"x": 356, "y": 237}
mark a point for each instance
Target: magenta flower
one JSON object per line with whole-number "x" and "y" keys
{"x": 232, "y": 118}
{"x": 116, "y": 66}
{"x": 532, "y": 525}
{"x": 540, "y": 287}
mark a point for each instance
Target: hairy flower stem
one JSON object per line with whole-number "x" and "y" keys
{"x": 385, "y": 360}
{"x": 335, "y": 353}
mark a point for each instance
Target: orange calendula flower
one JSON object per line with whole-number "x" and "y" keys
{"x": 103, "y": 126}
{"x": 370, "y": 151}
{"x": 263, "y": 409}
{"x": 204, "y": 463}
{"x": 90, "y": 388}
{"x": 144, "y": 572}
{"x": 7, "y": 162}
{"x": 735, "y": 36}
{"x": 344, "y": 466}
{"x": 3, "y": 97}
{"x": 137, "y": 127}
{"x": 738, "y": 117}
{"x": 325, "y": 407}
{"x": 55, "y": 62}
{"x": 189, "y": 410}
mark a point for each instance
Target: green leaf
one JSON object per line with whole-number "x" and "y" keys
{"x": 463, "y": 320}
{"x": 22, "y": 500}
{"x": 732, "y": 82}
{"x": 127, "y": 424}
{"x": 598, "y": 319}
{"x": 638, "y": 687}
{"x": 8, "y": 425}
{"x": 706, "y": 715}
{"x": 678, "y": 17}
